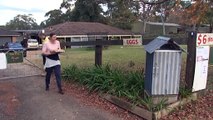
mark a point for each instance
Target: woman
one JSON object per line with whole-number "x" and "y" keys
{"x": 51, "y": 50}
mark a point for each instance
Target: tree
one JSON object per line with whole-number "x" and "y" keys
{"x": 122, "y": 13}
{"x": 84, "y": 10}
{"x": 150, "y": 9}
{"x": 54, "y": 17}
{"x": 22, "y": 22}
{"x": 209, "y": 17}
{"x": 194, "y": 14}
{"x": 88, "y": 11}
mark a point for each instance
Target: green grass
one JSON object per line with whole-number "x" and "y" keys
{"x": 133, "y": 57}
{"x": 130, "y": 58}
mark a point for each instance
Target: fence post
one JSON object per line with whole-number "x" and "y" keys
{"x": 190, "y": 62}
{"x": 98, "y": 53}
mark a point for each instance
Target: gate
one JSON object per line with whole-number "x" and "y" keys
{"x": 18, "y": 66}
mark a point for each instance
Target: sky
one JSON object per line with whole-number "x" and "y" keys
{"x": 10, "y": 8}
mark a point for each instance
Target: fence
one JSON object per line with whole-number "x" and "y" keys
{"x": 19, "y": 66}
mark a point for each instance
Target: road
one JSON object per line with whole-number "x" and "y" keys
{"x": 26, "y": 99}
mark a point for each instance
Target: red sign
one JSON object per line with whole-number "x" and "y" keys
{"x": 204, "y": 39}
{"x": 132, "y": 42}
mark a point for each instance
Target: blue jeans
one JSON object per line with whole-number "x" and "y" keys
{"x": 57, "y": 71}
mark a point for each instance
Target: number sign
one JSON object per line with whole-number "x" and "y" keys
{"x": 204, "y": 39}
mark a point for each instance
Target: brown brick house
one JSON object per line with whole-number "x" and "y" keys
{"x": 82, "y": 31}
{"x": 7, "y": 36}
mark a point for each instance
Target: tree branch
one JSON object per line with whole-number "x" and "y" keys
{"x": 155, "y": 2}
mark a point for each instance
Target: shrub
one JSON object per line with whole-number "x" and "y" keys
{"x": 104, "y": 79}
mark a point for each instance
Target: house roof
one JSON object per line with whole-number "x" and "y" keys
{"x": 85, "y": 28}
{"x": 7, "y": 33}
{"x": 158, "y": 42}
{"x": 28, "y": 31}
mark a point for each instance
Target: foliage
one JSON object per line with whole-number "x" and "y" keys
{"x": 184, "y": 92}
{"x": 122, "y": 13}
{"x": 87, "y": 10}
{"x": 108, "y": 80}
{"x": 195, "y": 13}
{"x": 209, "y": 18}
{"x": 22, "y": 22}
{"x": 119, "y": 13}
{"x": 151, "y": 106}
{"x": 154, "y": 2}
{"x": 54, "y": 17}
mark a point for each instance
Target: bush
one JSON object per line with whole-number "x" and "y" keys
{"x": 104, "y": 79}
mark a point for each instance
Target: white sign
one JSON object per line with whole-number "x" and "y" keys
{"x": 201, "y": 68}
{"x": 204, "y": 39}
{"x": 132, "y": 41}
{"x": 3, "y": 61}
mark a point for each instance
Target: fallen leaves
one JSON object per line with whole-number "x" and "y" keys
{"x": 93, "y": 99}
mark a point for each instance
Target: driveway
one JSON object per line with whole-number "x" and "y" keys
{"x": 26, "y": 99}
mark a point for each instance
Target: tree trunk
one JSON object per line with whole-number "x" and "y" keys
{"x": 162, "y": 19}
{"x": 144, "y": 18}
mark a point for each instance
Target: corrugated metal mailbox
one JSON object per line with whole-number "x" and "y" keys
{"x": 163, "y": 65}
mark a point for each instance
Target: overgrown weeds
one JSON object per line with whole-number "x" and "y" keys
{"x": 184, "y": 92}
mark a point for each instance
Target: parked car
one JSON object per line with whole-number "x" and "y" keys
{"x": 32, "y": 44}
{"x": 12, "y": 47}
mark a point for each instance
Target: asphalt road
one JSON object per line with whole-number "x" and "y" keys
{"x": 26, "y": 99}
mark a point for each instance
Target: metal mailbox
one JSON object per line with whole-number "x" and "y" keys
{"x": 163, "y": 66}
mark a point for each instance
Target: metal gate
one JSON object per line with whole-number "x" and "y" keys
{"x": 19, "y": 66}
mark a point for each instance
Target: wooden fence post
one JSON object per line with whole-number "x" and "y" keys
{"x": 98, "y": 53}
{"x": 190, "y": 63}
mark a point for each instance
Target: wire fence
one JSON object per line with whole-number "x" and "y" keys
{"x": 31, "y": 65}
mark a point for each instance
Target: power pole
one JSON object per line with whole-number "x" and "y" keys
{"x": 191, "y": 57}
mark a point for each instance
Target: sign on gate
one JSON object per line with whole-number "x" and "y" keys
{"x": 14, "y": 57}
{"x": 132, "y": 42}
{"x": 203, "y": 41}
{"x": 3, "y": 61}
{"x": 201, "y": 68}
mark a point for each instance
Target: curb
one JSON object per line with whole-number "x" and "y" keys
{"x": 142, "y": 112}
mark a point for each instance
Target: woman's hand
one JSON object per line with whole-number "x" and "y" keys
{"x": 60, "y": 51}
{"x": 53, "y": 51}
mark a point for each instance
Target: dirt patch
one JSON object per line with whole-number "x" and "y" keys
{"x": 9, "y": 101}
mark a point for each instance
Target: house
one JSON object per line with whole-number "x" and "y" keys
{"x": 30, "y": 34}
{"x": 156, "y": 28}
{"x": 8, "y": 36}
{"x": 83, "y": 31}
